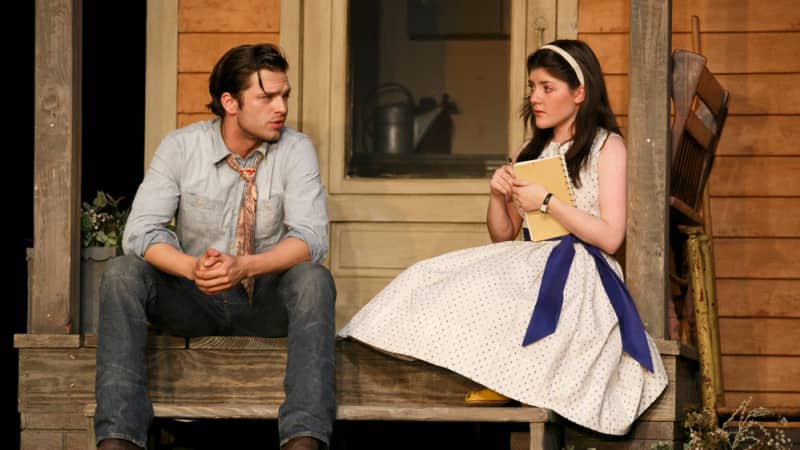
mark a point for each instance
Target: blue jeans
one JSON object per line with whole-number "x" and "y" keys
{"x": 298, "y": 303}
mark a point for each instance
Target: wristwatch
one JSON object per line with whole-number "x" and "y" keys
{"x": 546, "y": 200}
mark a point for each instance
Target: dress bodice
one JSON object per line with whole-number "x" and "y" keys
{"x": 587, "y": 196}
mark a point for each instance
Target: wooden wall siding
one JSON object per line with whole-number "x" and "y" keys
{"x": 735, "y": 53}
{"x": 759, "y": 298}
{"x": 242, "y": 16}
{"x": 612, "y": 16}
{"x": 206, "y": 29}
{"x": 754, "y": 49}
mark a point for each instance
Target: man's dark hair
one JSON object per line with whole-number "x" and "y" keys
{"x": 232, "y": 72}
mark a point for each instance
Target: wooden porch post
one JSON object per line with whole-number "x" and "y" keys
{"x": 55, "y": 290}
{"x": 649, "y": 161}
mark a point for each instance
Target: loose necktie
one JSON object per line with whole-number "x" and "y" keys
{"x": 245, "y": 235}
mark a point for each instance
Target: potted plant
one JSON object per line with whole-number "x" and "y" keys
{"x": 102, "y": 225}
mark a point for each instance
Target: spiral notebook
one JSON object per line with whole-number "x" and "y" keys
{"x": 552, "y": 174}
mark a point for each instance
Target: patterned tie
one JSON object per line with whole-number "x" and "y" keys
{"x": 245, "y": 236}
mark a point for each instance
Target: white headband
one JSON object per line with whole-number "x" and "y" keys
{"x": 568, "y": 58}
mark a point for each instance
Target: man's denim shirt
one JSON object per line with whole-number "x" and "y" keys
{"x": 189, "y": 179}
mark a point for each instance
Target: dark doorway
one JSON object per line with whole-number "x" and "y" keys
{"x": 114, "y": 43}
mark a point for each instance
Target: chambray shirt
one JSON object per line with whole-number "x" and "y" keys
{"x": 188, "y": 179}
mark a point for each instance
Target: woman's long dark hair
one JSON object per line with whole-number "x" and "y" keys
{"x": 594, "y": 112}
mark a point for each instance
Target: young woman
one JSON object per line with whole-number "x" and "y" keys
{"x": 549, "y": 323}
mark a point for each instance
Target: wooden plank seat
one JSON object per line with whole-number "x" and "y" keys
{"x": 242, "y": 378}
{"x": 369, "y": 385}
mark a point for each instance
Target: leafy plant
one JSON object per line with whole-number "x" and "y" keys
{"x": 103, "y": 221}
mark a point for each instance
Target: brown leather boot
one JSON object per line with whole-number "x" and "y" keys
{"x": 117, "y": 444}
{"x": 302, "y": 443}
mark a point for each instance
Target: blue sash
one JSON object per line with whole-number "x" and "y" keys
{"x": 551, "y": 296}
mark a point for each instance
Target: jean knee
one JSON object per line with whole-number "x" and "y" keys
{"x": 126, "y": 274}
{"x": 126, "y": 266}
{"x": 312, "y": 285}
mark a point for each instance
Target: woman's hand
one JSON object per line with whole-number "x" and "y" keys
{"x": 527, "y": 195}
{"x": 502, "y": 182}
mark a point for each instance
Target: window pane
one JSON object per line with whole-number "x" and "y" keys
{"x": 428, "y": 88}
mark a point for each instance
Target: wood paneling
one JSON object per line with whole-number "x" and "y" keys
{"x": 727, "y": 53}
{"x": 612, "y": 16}
{"x": 383, "y": 250}
{"x": 763, "y": 399}
{"x": 404, "y": 208}
{"x": 750, "y": 93}
{"x": 758, "y": 298}
{"x": 761, "y": 373}
{"x": 760, "y": 135}
{"x": 764, "y": 176}
{"x": 185, "y": 119}
{"x": 756, "y": 216}
{"x": 198, "y": 52}
{"x": 243, "y": 16}
{"x": 53, "y": 421}
{"x": 757, "y": 336}
{"x": 354, "y": 292}
{"x": 756, "y": 258}
{"x": 38, "y": 440}
{"x": 763, "y": 93}
{"x": 747, "y": 52}
{"x": 193, "y": 93}
{"x": 617, "y": 87}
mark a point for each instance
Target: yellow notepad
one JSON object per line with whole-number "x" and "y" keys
{"x": 552, "y": 174}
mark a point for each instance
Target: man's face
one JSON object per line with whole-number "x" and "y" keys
{"x": 262, "y": 112}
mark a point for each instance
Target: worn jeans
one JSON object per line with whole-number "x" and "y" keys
{"x": 298, "y": 302}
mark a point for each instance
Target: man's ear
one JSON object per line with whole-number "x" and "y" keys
{"x": 229, "y": 102}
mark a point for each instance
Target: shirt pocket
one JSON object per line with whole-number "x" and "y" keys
{"x": 269, "y": 217}
{"x": 199, "y": 216}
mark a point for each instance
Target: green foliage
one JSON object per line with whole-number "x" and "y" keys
{"x": 102, "y": 221}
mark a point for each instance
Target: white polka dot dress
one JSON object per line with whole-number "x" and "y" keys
{"x": 468, "y": 311}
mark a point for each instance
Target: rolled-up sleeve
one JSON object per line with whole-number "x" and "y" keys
{"x": 155, "y": 203}
{"x": 306, "y": 210}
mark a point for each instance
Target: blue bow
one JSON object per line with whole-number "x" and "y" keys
{"x": 551, "y": 296}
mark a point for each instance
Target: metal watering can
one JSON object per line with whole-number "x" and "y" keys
{"x": 390, "y": 126}
{"x": 396, "y": 126}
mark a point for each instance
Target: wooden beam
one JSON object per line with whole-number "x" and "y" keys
{"x": 291, "y": 36}
{"x": 649, "y": 161}
{"x": 161, "y": 74}
{"x": 54, "y": 307}
{"x": 356, "y": 412}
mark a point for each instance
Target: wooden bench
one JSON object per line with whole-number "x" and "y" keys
{"x": 242, "y": 378}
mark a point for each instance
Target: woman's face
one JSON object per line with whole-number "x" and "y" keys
{"x": 554, "y": 103}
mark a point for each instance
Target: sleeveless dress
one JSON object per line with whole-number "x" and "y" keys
{"x": 468, "y": 310}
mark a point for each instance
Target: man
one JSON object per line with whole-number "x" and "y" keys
{"x": 244, "y": 259}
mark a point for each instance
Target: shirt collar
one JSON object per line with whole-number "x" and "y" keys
{"x": 220, "y": 150}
